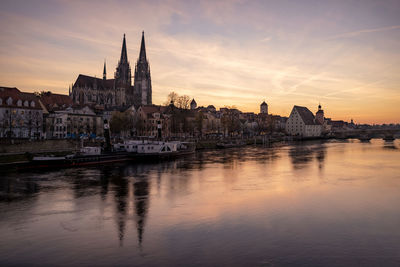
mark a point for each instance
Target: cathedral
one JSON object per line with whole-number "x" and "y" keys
{"x": 117, "y": 92}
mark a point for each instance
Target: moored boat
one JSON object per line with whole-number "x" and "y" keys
{"x": 389, "y": 138}
{"x": 163, "y": 150}
{"x": 364, "y": 138}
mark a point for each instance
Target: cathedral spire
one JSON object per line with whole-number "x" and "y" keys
{"x": 142, "y": 83}
{"x": 124, "y": 56}
{"x": 142, "y": 55}
{"x": 123, "y": 71}
{"x": 104, "y": 71}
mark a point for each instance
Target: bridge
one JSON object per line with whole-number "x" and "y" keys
{"x": 384, "y": 133}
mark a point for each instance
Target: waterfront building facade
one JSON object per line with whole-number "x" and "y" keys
{"x": 302, "y": 122}
{"x": 151, "y": 118}
{"x": 74, "y": 122}
{"x": 21, "y": 115}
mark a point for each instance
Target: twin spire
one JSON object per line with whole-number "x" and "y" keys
{"x": 124, "y": 54}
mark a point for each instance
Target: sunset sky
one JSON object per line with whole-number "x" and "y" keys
{"x": 343, "y": 54}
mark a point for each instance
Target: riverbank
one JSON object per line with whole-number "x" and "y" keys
{"x": 14, "y": 156}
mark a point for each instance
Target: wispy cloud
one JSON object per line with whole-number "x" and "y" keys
{"x": 360, "y": 32}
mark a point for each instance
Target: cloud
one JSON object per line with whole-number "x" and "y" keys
{"x": 357, "y": 33}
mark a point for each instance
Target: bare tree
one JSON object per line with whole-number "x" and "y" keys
{"x": 183, "y": 102}
{"x": 171, "y": 98}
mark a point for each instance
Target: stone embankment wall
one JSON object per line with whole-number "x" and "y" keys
{"x": 40, "y": 146}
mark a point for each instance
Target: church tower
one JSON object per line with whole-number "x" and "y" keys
{"x": 264, "y": 108}
{"x": 319, "y": 116}
{"x": 104, "y": 72}
{"x": 142, "y": 80}
{"x": 123, "y": 72}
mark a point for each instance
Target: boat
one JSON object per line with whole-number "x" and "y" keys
{"x": 86, "y": 156}
{"x": 163, "y": 150}
{"x": 389, "y": 138}
{"x": 364, "y": 138}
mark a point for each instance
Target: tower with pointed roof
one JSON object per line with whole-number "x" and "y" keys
{"x": 142, "y": 80}
{"x": 319, "y": 115}
{"x": 193, "y": 104}
{"x": 123, "y": 72}
{"x": 264, "y": 108}
{"x": 104, "y": 71}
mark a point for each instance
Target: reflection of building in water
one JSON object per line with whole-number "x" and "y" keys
{"x": 320, "y": 156}
{"x": 141, "y": 198}
{"x": 302, "y": 155}
{"x": 12, "y": 189}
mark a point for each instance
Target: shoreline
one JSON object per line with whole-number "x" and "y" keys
{"x": 14, "y": 160}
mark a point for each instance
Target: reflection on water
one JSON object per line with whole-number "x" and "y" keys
{"x": 312, "y": 203}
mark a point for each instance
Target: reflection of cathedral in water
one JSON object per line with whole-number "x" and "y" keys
{"x": 131, "y": 192}
{"x": 141, "y": 198}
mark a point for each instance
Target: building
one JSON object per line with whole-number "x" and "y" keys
{"x": 302, "y": 122}
{"x": 74, "y": 122}
{"x": 319, "y": 115}
{"x": 117, "y": 92}
{"x": 150, "y": 119}
{"x": 264, "y": 108}
{"x": 193, "y": 104}
{"x": 52, "y": 102}
{"x": 21, "y": 115}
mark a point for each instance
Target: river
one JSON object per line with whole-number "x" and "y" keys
{"x": 333, "y": 203}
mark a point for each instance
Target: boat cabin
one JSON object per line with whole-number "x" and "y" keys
{"x": 89, "y": 150}
{"x": 157, "y": 147}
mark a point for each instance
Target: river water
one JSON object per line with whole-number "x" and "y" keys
{"x": 306, "y": 204}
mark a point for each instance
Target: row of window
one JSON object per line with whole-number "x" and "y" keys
{"x": 9, "y": 102}
{"x": 22, "y": 112}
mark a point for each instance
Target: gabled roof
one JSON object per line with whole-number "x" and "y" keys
{"x": 264, "y": 104}
{"x": 306, "y": 115}
{"x": 89, "y": 81}
{"x": 55, "y": 101}
{"x": 15, "y": 94}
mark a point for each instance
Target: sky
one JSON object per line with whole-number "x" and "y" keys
{"x": 342, "y": 54}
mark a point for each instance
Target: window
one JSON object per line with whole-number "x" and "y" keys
{"x": 26, "y": 103}
{"x": 9, "y": 101}
{"x": 32, "y": 104}
{"x": 19, "y": 103}
{"x": 1, "y": 101}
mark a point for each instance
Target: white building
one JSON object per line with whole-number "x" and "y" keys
{"x": 74, "y": 122}
{"x": 21, "y": 115}
{"x": 302, "y": 122}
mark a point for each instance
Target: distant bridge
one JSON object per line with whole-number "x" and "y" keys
{"x": 385, "y": 133}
